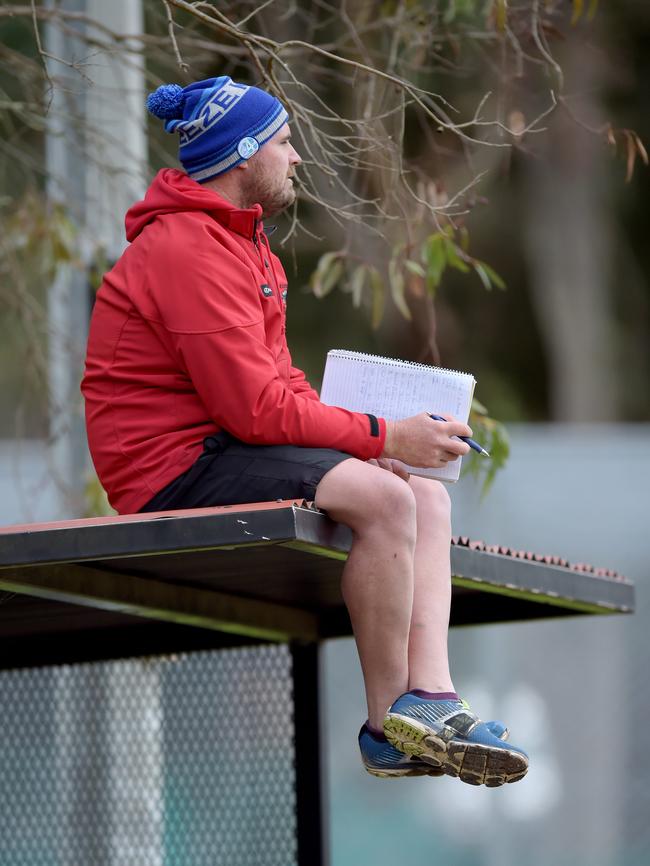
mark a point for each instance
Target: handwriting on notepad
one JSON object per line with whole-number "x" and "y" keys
{"x": 394, "y": 389}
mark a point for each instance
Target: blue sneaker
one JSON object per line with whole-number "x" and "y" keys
{"x": 447, "y": 734}
{"x": 382, "y": 759}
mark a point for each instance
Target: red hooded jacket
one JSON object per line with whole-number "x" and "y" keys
{"x": 187, "y": 337}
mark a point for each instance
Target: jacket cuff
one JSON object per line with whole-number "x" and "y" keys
{"x": 377, "y": 435}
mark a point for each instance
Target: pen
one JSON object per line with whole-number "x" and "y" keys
{"x": 470, "y": 442}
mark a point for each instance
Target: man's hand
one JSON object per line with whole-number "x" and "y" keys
{"x": 421, "y": 441}
{"x": 393, "y": 466}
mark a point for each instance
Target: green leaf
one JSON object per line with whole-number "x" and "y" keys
{"x": 492, "y": 276}
{"x": 414, "y": 268}
{"x": 332, "y": 277}
{"x": 378, "y": 297}
{"x": 396, "y": 278}
{"x": 450, "y": 12}
{"x": 328, "y": 272}
{"x": 480, "y": 270}
{"x": 501, "y": 14}
{"x": 61, "y": 252}
{"x": 478, "y": 407}
{"x": 357, "y": 281}
{"x": 493, "y": 436}
{"x": 436, "y": 260}
{"x": 577, "y": 10}
{"x": 453, "y": 259}
{"x": 326, "y": 260}
{"x": 497, "y": 281}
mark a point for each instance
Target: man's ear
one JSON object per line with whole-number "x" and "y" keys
{"x": 242, "y": 165}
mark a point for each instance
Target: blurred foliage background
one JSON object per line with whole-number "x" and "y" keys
{"x": 472, "y": 192}
{"x": 497, "y": 226}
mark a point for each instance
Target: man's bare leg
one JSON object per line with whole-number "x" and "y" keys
{"x": 377, "y": 582}
{"x": 477, "y": 753}
{"x": 428, "y": 654}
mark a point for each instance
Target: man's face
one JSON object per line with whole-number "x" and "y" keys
{"x": 267, "y": 179}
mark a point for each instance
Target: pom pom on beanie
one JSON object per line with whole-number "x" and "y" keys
{"x": 167, "y": 102}
{"x": 220, "y": 123}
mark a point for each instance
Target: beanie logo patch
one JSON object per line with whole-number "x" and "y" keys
{"x": 214, "y": 109}
{"x": 247, "y": 147}
{"x": 267, "y": 291}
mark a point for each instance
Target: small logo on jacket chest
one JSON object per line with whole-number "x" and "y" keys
{"x": 267, "y": 291}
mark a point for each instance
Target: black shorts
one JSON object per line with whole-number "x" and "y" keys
{"x": 230, "y": 472}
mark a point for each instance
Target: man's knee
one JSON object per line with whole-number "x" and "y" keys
{"x": 432, "y": 499}
{"x": 364, "y": 496}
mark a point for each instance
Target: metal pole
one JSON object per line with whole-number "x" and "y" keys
{"x": 68, "y": 295}
{"x": 95, "y": 157}
{"x": 96, "y": 163}
{"x": 312, "y": 833}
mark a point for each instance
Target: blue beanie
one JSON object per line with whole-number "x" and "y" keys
{"x": 220, "y": 123}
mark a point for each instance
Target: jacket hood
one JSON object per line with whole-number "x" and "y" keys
{"x": 172, "y": 191}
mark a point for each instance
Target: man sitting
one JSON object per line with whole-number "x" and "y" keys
{"x": 192, "y": 400}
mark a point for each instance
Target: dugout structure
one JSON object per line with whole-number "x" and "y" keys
{"x": 160, "y": 678}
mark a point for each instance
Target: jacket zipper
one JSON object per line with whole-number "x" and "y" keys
{"x": 272, "y": 269}
{"x": 256, "y": 241}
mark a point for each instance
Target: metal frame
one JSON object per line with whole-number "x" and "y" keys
{"x": 310, "y": 796}
{"x": 264, "y": 572}
{"x": 223, "y": 576}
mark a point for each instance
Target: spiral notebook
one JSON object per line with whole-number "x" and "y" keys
{"x": 394, "y": 390}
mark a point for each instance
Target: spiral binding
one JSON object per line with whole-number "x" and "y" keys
{"x": 393, "y": 362}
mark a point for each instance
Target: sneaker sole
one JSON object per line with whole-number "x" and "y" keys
{"x": 414, "y": 738}
{"x": 472, "y": 763}
{"x": 481, "y": 765}
{"x": 397, "y": 773}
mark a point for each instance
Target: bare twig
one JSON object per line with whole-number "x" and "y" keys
{"x": 172, "y": 36}
{"x": 43, "y": 55}
{"x": 252, "y": 14}
{"x": 540, "y": 42}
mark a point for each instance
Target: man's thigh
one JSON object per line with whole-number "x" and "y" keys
{"x": 230, "y": 472}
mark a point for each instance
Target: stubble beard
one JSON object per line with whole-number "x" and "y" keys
{"x": 274, "y": 196}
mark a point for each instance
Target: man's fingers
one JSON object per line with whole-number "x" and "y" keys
{"x": 458, "y": 448}
{"x": 423, "y": 441}
{"x": 456, "y": 428}
{"x": 400, "y": 470}
{"x": 390, "y": 465}
{"x": 454, "y": 448}
{"x": 382, "y": 463}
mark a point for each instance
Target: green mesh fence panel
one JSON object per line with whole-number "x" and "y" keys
{"x": 177, "y": 761}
